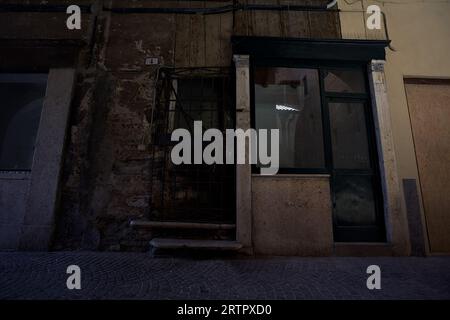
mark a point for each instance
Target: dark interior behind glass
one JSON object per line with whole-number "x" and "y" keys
{"x": 21, "y": 97}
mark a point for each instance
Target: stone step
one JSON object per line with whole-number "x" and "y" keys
{"x": 213, "y": 245}
{"x": 181, "y": 225}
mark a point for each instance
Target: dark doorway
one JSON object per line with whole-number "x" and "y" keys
{"x": 355, "y": 180}
{"x": 192, "y": 192}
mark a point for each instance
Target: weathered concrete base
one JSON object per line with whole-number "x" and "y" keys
{"x": 13, "y": 194}
{"x": 292, "y": 215}
{"x": 36, "y": 237}
{"x": 9, "y": 237}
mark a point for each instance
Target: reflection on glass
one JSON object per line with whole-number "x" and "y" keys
{"x": 288, "y": 99}
{"x": 354, "y": 201}
{"x": 345, "y": 81}
{"x": 349, "y": 136}
{"x": 21, "y": 97}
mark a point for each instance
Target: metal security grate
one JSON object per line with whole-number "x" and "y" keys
{"x": 188, "y": 192}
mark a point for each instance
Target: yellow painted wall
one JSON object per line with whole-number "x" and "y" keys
{"x": 420, "y": 34}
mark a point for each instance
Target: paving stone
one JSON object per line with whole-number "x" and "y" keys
{"x": 139, "y": 276}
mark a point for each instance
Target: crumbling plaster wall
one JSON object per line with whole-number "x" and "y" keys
{"x": 106, "y": 172}
{"x": 106, "y": 178}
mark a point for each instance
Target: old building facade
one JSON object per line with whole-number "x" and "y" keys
{"x": 99, "y": 174}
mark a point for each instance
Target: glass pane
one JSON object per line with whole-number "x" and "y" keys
{"x": 21, "y": 97}
{"x": 288, "y": 99}
{"x": 345, "y": 81}
{"x": 349, "y": 136}
{"x": 354, "y": 201}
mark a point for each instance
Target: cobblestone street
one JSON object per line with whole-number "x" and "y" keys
{"x": 138, "y": 276}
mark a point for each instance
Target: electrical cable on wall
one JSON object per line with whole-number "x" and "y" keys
{"x": 199, "y": 10}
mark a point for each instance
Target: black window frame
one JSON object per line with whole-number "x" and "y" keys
{"x": 321, "y": 66}
{"x": 373, "y": 233}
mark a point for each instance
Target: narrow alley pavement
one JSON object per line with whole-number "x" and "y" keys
{"x": 139, "y": 276}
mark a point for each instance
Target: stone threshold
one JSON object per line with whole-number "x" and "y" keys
{"x": 181, "y": 225}
{"x": 363, "y": 249}
{"x": 216, "y": 245}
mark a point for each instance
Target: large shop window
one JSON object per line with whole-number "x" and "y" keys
{"x": 326, "y": 126}
{"x": 288, "y": 99}
{"x": 21, "y": 99}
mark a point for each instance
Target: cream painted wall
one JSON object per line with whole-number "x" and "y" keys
{"x": 420, "y": 35}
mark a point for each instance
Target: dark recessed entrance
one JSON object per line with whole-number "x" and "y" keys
{"x": 192, "y": 192}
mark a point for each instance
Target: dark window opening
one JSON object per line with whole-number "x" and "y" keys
{"x": 21, "y": 97}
